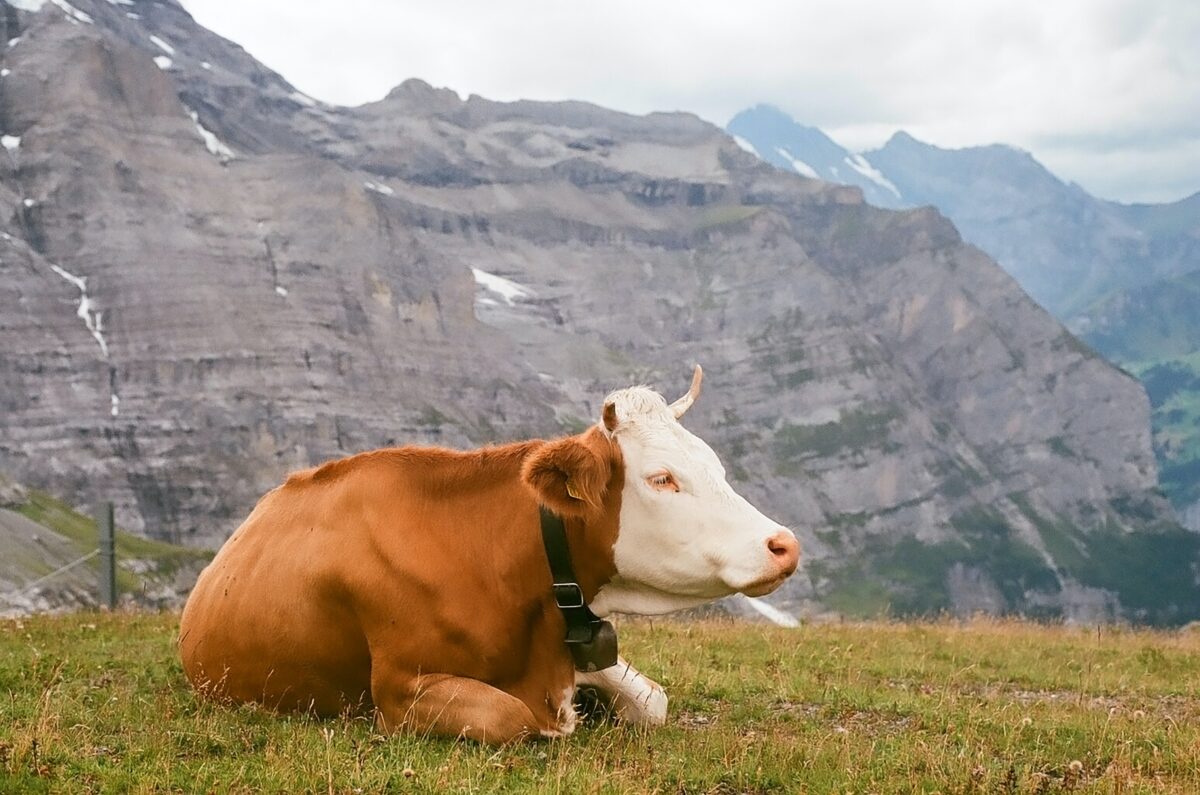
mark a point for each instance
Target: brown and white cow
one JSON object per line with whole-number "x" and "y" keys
{"x": 414, "y": 580}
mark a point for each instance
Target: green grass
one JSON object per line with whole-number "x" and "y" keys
{"x": 97, "y": 703}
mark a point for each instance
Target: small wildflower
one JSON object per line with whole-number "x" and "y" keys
{"x": 1026, "y": 721}
{"x": 1138, "y": 714}
{"x": 1075, "y": 766}
{"x": 408, "y": 772}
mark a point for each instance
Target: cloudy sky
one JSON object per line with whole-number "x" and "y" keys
{"x": 1106, "y": 93}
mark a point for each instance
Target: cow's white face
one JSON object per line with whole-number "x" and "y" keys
{"x": 685, "y": 537}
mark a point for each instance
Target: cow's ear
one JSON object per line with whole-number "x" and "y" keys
{"x": 567, "y": 476}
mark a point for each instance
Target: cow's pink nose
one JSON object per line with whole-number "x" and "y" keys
{"x": 785, "y": 549}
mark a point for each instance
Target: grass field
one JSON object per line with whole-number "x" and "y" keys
{"x": 97, "y": 703}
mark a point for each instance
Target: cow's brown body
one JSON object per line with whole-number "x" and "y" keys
{"x": 410, "y": 580}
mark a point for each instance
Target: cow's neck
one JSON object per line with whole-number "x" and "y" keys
{"x": 591, "y": 558}
{"x": 591, "y": 548}
{"x": 591, "y": 540}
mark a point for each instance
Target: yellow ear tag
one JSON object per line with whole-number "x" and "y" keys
{"x": 572, "y": 492}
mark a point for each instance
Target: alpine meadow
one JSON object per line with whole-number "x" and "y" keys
{"x": 726, "y": 399}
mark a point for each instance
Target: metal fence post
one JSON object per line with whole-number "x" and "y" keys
{"x": 108, "y": 557}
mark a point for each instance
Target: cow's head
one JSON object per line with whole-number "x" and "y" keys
{"x": 685, "y": 536}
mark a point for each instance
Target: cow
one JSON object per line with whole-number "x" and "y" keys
{"x": 413, "y": 582}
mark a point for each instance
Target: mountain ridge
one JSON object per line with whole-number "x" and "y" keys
{"x": 1079, "y": 256}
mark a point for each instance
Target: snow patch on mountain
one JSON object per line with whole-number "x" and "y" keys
{"x": 87, "y": 312}
{"x": 11, "y": 142}
{"x": 163, "y": 62}
{"x": 507, "y": 289}
{"x": 379, "y": 188}
{"x": 303, "y": 99}
{"x": 746, "y": 145}
{"x": 860, "y": 164}
{"x": 772, "y": 613}
{"x": 73, "y": 13}
{"x": 162, "y": 45}
{"x": 802, "y": 168}
{"x": 214, "y": 144}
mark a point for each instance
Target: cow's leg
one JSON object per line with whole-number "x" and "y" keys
{"x": 634, "y": 697}
{"x": 450, "y": 706}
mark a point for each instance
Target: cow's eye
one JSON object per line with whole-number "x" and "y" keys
{"x": 662, "y": 481}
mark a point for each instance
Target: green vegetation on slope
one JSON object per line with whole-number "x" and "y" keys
{"x": 82, "y": 533}
{"x": 1151, "y": 323}
{"x": 1173, "y": 385}
{"x": 98, "y": 703}
{"x": 1149, "y": 569}
{"x": 855, "y": 430}
{"x": 1154, "y": 332}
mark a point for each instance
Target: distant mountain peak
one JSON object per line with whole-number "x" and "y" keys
{"x": 416, "y": 95}
{"x": 903, "y": 138}
{"x": 764, "y": 110}
{"x": 782, "y": 141}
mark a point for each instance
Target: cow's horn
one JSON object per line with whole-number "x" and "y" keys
{"x": 684, "y": 403}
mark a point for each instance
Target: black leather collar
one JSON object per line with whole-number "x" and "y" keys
{"x": 592, "y": 640}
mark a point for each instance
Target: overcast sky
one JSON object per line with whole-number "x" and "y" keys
{"x": 1106, "y": 93}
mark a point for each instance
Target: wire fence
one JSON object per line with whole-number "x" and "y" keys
{"x": 106, "y": 552}
{"x": 60, "y": 570}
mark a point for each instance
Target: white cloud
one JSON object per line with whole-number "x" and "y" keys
{"x": 1048, "y": 77}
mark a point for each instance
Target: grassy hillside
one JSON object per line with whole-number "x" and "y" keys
{"x": 1154, "y": 332}
{"x": 98, "y": 703}
{"x": 147, "y": 571}
{"x": 1174, "y": 388}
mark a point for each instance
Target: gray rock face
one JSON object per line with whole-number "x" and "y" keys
{"x": 1126, "y": 278}
{"x": 191, "y": 306}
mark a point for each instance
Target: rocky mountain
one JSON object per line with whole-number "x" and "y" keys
{"x": 1117, "y": 275}
{"x": 1067, "y": 248}
{"x": 208, "y": 279}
